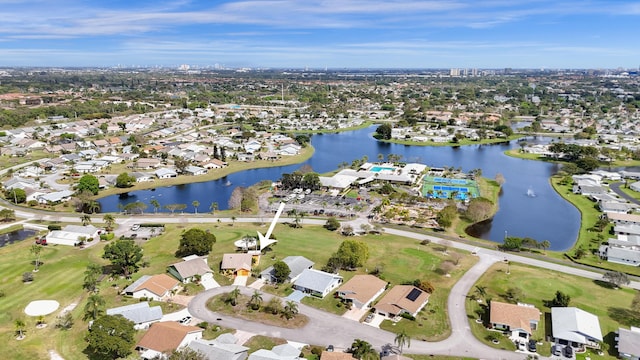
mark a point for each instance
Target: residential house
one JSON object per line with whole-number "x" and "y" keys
{"x": 628, "y": 343}
{"x": 575, "y": 327}
{"x": 153, "y": 287}
{"x": 219, "y": 349}
{"x": 335, "y": 355}
{"x": 195, "y": 170}
{"x": 147, "y": 163}
{"x": 361, "y": 290}
{"x": 625, "y": 249}
{"x": 521, "y": 320}
{"x": 296, "y": 264}
{"x": 186, "y": 270}
{"x": 237, "y": 264}
{"x": 402, "y": 299}
{"x": 623, "y": 219}
{"x": 19, "y": 183}
{"x": 72, "y": 235}
{"x": 166, "y": 336}
{"x": 317, "y": 283}
{"x": 279, "y": 352}
{"x": 141, "y": 176}
{"x": 141, "y": 314}
{"x": 165, "y": 173}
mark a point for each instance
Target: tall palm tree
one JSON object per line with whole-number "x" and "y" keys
{"x": 545, "y": 244}
{"x": 233, "y": 296}
{"x": 109, "y": 220}
{"x": 86, "y": 219}
{"x": 402, "y": 339}
{"x": 481, "y": 291}
{"x": 256, "y": 300}
{"x": 94, "y": 307}
{"x": 290, "y": 310}
{"x": 213, "y": 207}
{"x": 195, "y": 204}
{"x": 156, "y": 205}
{"x": 360, "y": 349}
{"x": 93, "y": 207}
{"x": 233, "y": 220}
{"x": 19, "y": 323}
{"x": 36, "y": 250}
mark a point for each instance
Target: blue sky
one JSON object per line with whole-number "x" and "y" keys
{"x": 322, "y": 33}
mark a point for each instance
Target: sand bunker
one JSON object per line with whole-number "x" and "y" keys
{"x": 41, "y": 307}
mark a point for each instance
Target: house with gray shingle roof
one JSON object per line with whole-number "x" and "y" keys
{"x": 629, "y": 343}
{"x": 219, "y": 349}
{"x": 190, "y": 267}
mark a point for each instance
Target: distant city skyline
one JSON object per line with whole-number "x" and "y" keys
{"x": 322, "y": 33}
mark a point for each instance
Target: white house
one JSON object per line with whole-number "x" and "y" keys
{"x": 55, "y": 197}
{"x": 316, "y": 282}
{"x": 72, "y": 234}
{"x": 296, "y": 264}
{"x": 141, "y": 314}
{"x": 629, "y": 343}
{"x": 575, "y": 327}
{"x": 220, "y": 349}
{"x": 165, "y": 173}
{"x": 195, "y": 170}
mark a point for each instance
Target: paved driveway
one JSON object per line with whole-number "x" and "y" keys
{"x": 208, "y": 282}
{"x": 296, "y": 296}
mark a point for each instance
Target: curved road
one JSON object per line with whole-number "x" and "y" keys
{"x": 616, "y": 188}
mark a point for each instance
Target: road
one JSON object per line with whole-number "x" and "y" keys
{"x": 616, "y": 188}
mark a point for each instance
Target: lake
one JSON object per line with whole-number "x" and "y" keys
{"x": 13, "y": 236}
{"x": 528, "y": 204}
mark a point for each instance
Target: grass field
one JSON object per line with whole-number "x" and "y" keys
{"x": 461, "y": 143}
{"x": 538, "y": 285}
{"x": 61, "y": 275}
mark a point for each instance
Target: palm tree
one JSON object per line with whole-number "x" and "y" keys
{"x": 19, "y": 323}
{"x": 156, "y": 205}
{"x": 481, "y": 291}
{"x": 109, "y": 220}
{"x": 195, "y": 204}
{"x": 86, "y": 219}
{"x": 360, "y": 349}
{"x": 233, "y": 220}
{"x": 36, "y": 250}
{"x": 545, "y": 244}
{"x": 94, "y": 307}
{"x": 91, "y": 277}
{"x": 213, "y": 207}
{"x": 256, "y": 300}
{"x": 402, "y": 339}
{"x": 290, "y": 310}
{"x": 233, "y": 296}
{"x": 93, "y": 206}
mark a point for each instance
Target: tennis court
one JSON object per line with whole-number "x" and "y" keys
{"x": 444, "y": 188}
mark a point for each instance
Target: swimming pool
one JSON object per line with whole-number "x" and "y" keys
{"x": 381, "y": 168}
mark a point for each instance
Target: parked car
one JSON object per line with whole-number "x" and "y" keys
{"x": 330, "y": 348}
{"x": 369, "y": 318}
{"x": 557, "y": 350}
{"x": 567, "y": 351}
{"x": 185, "y": 320}
{"x": 41, "y": 241}
{"x": 135, "y": 227}
{"x": 531, "y": 346}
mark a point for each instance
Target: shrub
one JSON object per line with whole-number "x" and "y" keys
{"x": 27, "y": 276}
{"x": 203, "y": 325}
{"x": 316, "y": 350}
{"x": 32, "y": 203}
{"x": 2, "y": 293}
{"x": 425, "y": 242}
{"x": 408, "y": 316}
{"x": 53, "y": 227}
{"x": 152, "y": 225}
{"x": 107, "y": 236}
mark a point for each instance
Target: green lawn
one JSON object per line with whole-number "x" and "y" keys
{"x": 539, "y": 285}
{"x": 461, "y": 143}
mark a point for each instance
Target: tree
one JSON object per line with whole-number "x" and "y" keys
{"x": 481, "y": 291}
{"x": 110, "y": 337}
{"x": 180, "y": 164}
{"x": 213, "y": 207}
{"x": 256, "y": 300}
{"x": 195, "y": 204}
{"x": 7, "y": 214}
{"x": 124, "y": 180}
{"x": 351, "y": 254}
{"x": 88, "y": 183}
{"x": 20, "y": 325}
{"x": 479, "y": 209}
{"x": 233, "y": 296}
{"x": 616, "y": 278}
{"x": 635, "y": 303}
{"x": 94, "y": 307}
{"x": 383, "y": 132}
{"x": 109, "y": 221}
{"x": 402, "y": 339}
{"x": 64, "y": 321}
{"x": 545, "y": 244}
{"x": 514, "y": 294}
{"x": 91, "y": 277}
{"x": 186, "y": 353}
{"x": 36, "y": 250}
{"x": 361, "y": 348}
{"x": 125, "y": 255}
{"x": 85, "y": 219}
{"x": 156, "y": 205}
{"x": 195, "y": 242}
{"x": 560, "y": 300}
{"x": 16, "y": 196}
{"x": 500, "y": 179}
{"x": 332, "y": 224}
{"x": 446, "y": 216}
{"x": 281, "y": 271}
{"x": 235, "y": 200}
{"x": 290, "y": 310}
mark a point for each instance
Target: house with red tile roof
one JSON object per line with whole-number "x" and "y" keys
{"x": 167, "y": 336}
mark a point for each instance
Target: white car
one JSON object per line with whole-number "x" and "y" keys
{"x": 135, "y": 227}
{"x": 185, "y": 320}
